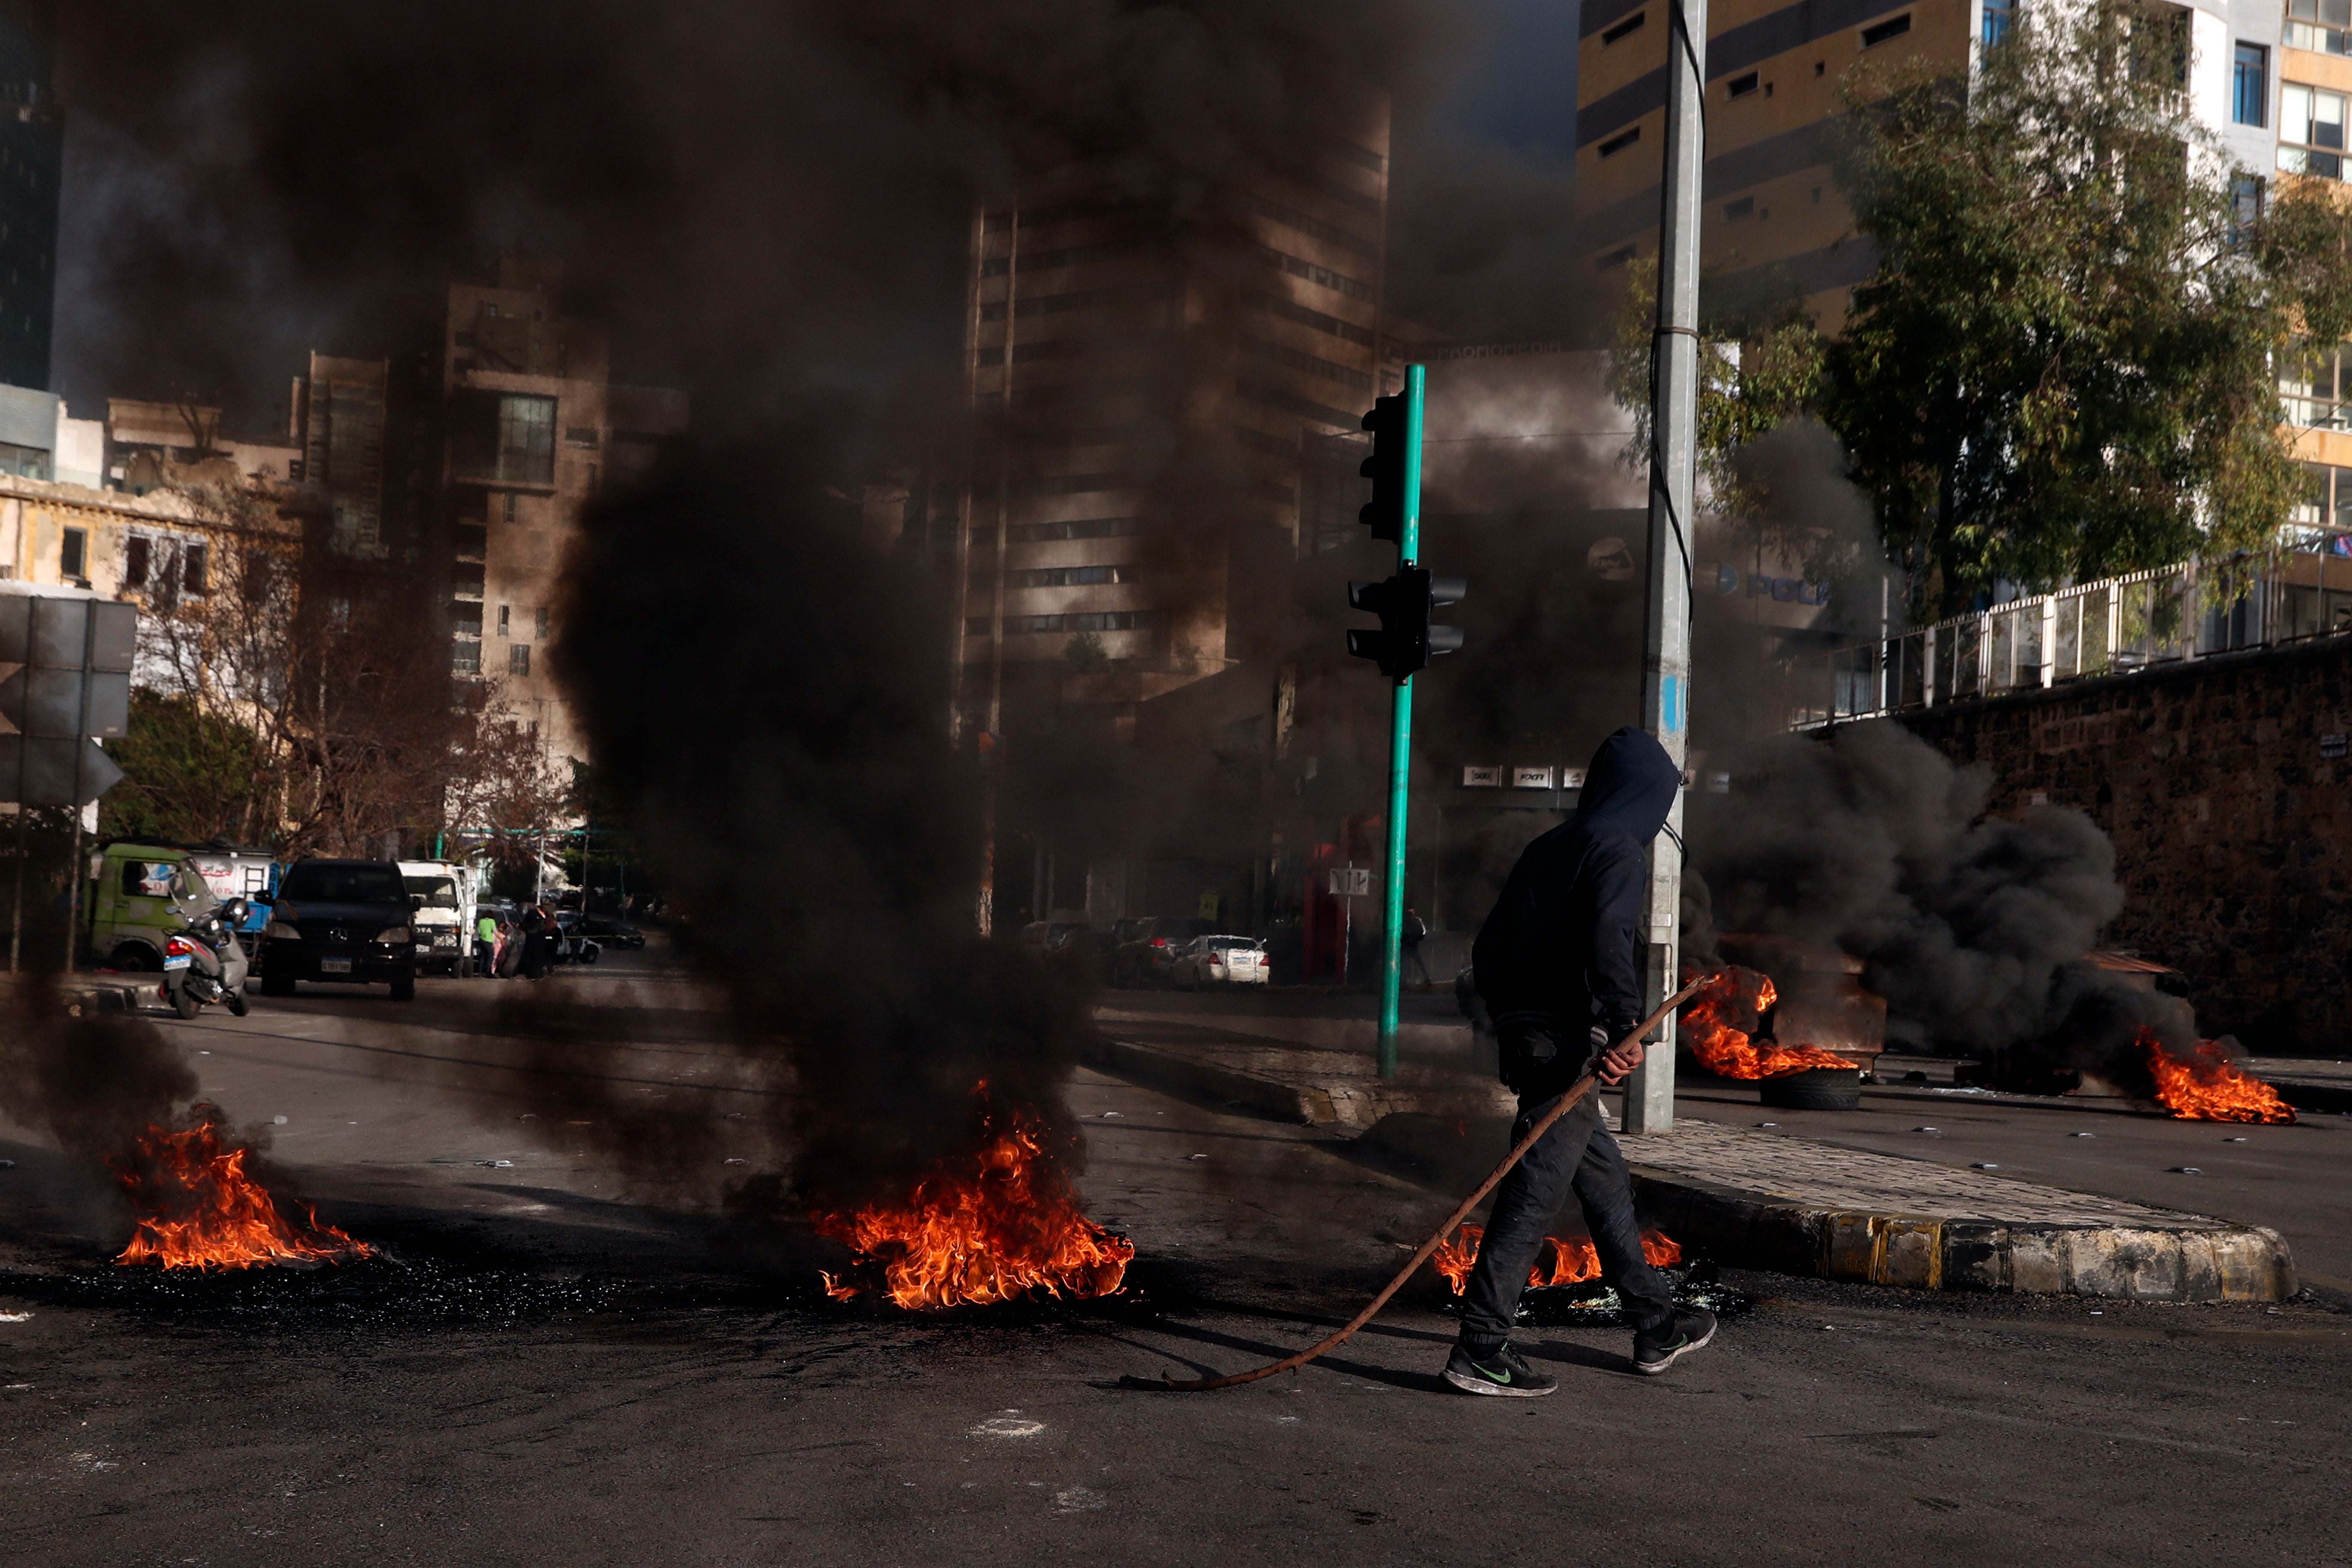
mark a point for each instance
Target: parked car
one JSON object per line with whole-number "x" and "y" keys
{"x": 613, "y": 932}
{"x": 1220, "y": 960}
{"x": 345, "y": 921}
{"x": 1148, "y": 955}
{"x": 573, "y": 945}
{"x": 1052, "y": 936}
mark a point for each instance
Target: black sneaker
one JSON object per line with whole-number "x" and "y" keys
{"x": 1690, "y": 1330}
{"x": 1504, "y": 1372}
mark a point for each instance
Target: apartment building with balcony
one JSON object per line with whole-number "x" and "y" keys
{"x": 2314, "y": 69}
{"x": 1774, "y": 223}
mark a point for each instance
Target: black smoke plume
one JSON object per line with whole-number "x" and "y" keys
{"x": 97, "y": 1082}
{"x": 747, "y": 667}
{"x": 1973, "y": 927}
{"x": 93, "y": 1081}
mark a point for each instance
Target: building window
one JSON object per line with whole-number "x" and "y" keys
{"x": 466, "y": 656}
{"x": 1740, "y": 85}
{"x": 2323, "y": 27}
{"x": 2310, "y": 131}
{"x": 1619, "y": 143}
{"x": 1068, "y": 577}
{"x": 518, "y": 660}
{"x": 1998, "y": 16}
{"x": 527, "y": 439}
{"x": 136, "y": 553}
{"x": 194, "y": 575}
{"x": 538, "y": 623}
{"x": 1743, "y": 208}
{"x": 2245, "y": 206}
{"x": 509, "y": 507}
{"x": 2311, "y": 384}
{"x": 1614, "y": 259}
{"x": 2250, "y": 86}
{"x": 502, "y": 620}
{"x": 28, "y": 462}
{"x": 1617, "y": 30}
{"x": 73, "y": 553}
{"x": 1879, "y": 33}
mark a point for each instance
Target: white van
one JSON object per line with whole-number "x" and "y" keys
{"x": 441, "y": 894}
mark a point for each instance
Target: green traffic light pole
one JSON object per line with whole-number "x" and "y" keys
{"x": 1401, "y": 736}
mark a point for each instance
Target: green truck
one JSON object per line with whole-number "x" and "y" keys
{"x": 132, "y": 885}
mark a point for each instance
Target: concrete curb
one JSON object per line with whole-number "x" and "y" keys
{"x": 2304, "y": 1095}
{"x": 1357, "y": 1103}
{"x": 1324, "y": 1034}
{"x": 2201, "y": 1259}
{"x": 79, "y": 994}
{"x": 1925, "y": 1252}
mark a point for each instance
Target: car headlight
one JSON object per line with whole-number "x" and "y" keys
{"x": 279, "y": 930}
{"x": 393, "y": 934}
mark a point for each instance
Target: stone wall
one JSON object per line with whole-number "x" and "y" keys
{"x": 2232, "y": 821}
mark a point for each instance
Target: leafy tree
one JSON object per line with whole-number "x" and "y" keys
{"x": 2065, "y": 364}
{"x": 187, "y": 773}
{"x": 1758, "y": 368}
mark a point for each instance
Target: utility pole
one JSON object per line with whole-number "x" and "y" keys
{"x": 992, "y": 758}
{"x": 1674, "y": 411}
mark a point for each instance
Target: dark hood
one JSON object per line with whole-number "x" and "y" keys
{"x": 1629, "y": 786}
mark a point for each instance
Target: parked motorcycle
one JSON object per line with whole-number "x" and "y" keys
{"x": 203, "y": 961}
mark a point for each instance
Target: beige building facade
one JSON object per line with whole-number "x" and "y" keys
{"x": 533, "y": 427}
{"x": 1774, "y": 225}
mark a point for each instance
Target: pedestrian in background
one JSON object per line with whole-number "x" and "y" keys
{"x": 485, "y": 943}
{"x": 1408, "y": 938}
{"x": 537, "y": 927}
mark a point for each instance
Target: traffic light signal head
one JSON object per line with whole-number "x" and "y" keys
{"x": 1384, "y": 515}
{"x": 1406, "y": 641}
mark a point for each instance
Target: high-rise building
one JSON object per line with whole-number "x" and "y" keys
{"x": 1147, "y": 390}
{"x": 531, "y": 427}
{"x": 32, "y": 159}
{"x": 1773, "y": 217}
{"x": 1152, "y": 390}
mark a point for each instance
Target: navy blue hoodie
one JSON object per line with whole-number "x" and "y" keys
{"x": 1564, "y": 939}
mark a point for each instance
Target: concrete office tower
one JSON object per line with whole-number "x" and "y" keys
{"x": 1773, "y": 215}
{"x": 1148, "y": 383}
{"x": 532, "y": 427}
{"x": 32, "y": 155}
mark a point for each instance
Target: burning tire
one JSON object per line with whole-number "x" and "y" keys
{"x": 1815, "y": 1089}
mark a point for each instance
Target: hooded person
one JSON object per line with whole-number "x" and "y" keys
{"x": 1558, "y": 965}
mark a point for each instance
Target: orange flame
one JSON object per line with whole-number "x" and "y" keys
{"x": 1574, "y": 1258}
{"x": 2206, "y": 1087}
{"x": 1730, "y": 1052}
{"x": 1005, "y": 1227}
{"x": 199, "y": 1209}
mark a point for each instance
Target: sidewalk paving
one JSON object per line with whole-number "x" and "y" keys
{"x": 1743, "y": 1196}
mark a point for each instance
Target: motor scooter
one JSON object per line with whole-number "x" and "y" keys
{"x": 204, "y": 962}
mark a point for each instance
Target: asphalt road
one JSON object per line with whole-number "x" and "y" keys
{"x": 566, "y": 1369}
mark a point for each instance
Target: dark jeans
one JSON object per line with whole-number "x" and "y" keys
{"x": 1411, "y": 959}
{"x": 1577, "y": 1155}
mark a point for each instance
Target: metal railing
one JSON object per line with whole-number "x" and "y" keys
{"x": 2111, "y": 626}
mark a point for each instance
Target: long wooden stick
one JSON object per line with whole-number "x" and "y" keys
{"x": 1567, "y": 1102}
